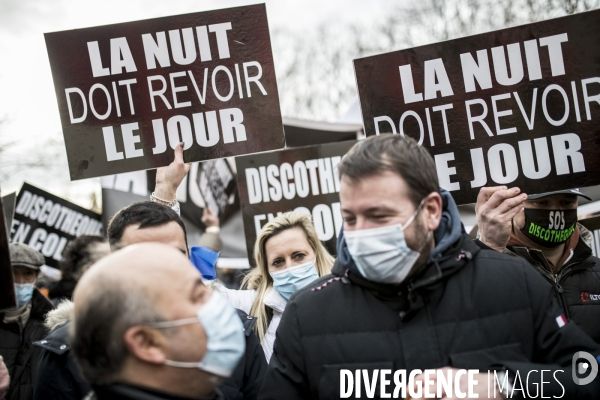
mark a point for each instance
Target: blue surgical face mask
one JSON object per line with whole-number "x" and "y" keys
{"x": 24, "y": 292}
{"x": 381, "y": 254}
{"x": 288, "y": 281}
{"x": 225, "y": 337}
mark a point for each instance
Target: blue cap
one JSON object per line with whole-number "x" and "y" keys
{"x": 205, "y": 260}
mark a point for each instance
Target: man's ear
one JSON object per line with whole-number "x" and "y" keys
{"x": 146, "y": 344}
{"x": 432, "y": 207}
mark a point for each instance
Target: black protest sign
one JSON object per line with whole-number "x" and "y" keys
{"x": 128, "y": 93}
{"x": 518, "y": 106}
{"x": 593, "y": 225}
{"x": 7, "y": 289}
{"x": 304, "y": 179}
{"x": 47, "y": 222}
{"x": 208, "y": 184}
{"x": 216, "y": 181}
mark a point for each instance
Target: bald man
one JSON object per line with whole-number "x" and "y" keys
{"x": 146, "y": 327}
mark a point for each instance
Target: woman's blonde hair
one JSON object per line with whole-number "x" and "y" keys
{"x": 259, "y": 278}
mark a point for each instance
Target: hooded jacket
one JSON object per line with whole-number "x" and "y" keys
{"x": 18, "y": 351}
{"x": 59, "y": 377}
{"x": 460, "y": 310}
{"x": 576, "y": 284}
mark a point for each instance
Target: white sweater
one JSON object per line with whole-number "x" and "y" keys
{"x": 243, "y": 300}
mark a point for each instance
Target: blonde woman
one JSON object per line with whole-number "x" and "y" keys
{"x": 288, "y": 257}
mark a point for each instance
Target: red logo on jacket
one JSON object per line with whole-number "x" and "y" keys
{"x": 585, "y": 297}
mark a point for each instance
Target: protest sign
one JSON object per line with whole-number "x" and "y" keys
{"x": 7, "y": 289}
{"x": 304, "y": 179}
{"x": 208, "y": 184}
{"x": 211, "y": 182}
{"x": 128, "y": 93}
{"x": 47, "y": 222}
{"x": 593, "y": 225}
{"x": 516, "y": 107}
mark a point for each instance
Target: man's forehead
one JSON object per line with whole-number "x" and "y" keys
{"x": 161, "y": 233}
{"x": 175, "y": 291}
{"x": 385, "y": 189}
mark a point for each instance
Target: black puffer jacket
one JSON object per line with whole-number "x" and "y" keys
{"x": 577, "y": 284}
{"x": 18, "y": 351}
{"x": 248, "y": 376}
{"x": 58, "y": 377}
{"x": 120, "y": 391}
{"x": 467, "y": 308}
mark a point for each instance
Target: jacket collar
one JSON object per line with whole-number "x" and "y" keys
{"x": 581, "y": 252}
{"x": 40, "y": 306}
{"x": 435, "y": 270}
{"x": 275, "y": 301}
{"x": 57, "y": 341}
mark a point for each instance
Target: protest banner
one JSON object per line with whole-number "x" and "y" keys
{"x": 47, "y": 222}
{"x": 304, "y": 179}
{"x": 211, "y": 182}
{"x": 128, "y": 93}
{"x": 7, "y": 289}
{"x": 593, "y": 225}
{"x": 208, "y": 184}
{"x": 518, "y": 106}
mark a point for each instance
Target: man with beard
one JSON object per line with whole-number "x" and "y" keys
{"x": 411, "y": 291}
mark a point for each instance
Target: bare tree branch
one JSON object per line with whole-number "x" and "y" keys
{"x": 317, "y": 79}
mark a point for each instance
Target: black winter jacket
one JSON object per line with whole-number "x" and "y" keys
{"x": 59, "y": 378}
{"x": 120, "y": 391}
{"x": 18, "y": 351}
{"x": 468, "y": 308}
{"x": 248, "y": 376}
{"x": 577, "y": 284}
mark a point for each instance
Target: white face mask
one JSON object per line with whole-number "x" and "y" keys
{"x": 381, "y": 254}
{"x": 225, "y": 337}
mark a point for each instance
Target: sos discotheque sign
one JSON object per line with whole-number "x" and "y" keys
{"x": 128, "y": 93}
{"x": 518, "y": 106}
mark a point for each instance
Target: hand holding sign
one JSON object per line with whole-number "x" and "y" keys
{"x": 495, "y": 209}
{"x": 169, "y": 178}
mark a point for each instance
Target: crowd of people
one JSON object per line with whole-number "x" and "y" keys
{"x": 408, "y": 290}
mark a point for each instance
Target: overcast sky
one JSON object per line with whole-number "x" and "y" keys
{"x": 27, "y": 98}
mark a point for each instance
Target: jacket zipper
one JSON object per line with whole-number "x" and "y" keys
{"x": 560, "y": 277}
{"x": 559, "y": 289}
